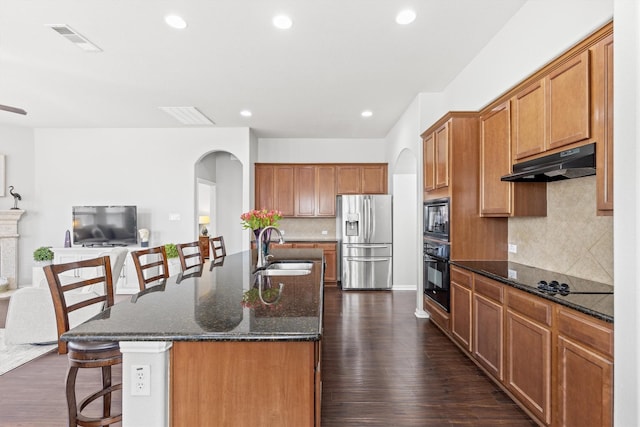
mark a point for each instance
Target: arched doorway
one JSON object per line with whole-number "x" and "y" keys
{"x": 218, "y": 176}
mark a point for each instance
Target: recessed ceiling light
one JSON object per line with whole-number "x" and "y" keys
{"x": 283, "y": 22}
{"x": 366, "y": 113}
{"x": 175, "y": 21}
{"x": 246, "y": 113}
{"x": 406, "y": 17}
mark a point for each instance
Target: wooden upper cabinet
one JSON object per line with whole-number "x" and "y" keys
{"x": 441, "y": 140}
{"x": 529, "y": 121}
{"x": 374, "y": 179}
{"x": 264, "y": 186}
{"x": 429, "y": 150}
{"x": 283, "y": 190}
{"x": 553, "y": 111}
{"x": 499, "y": 198}
{"x": 568, "y": 102}
{"x": 361, "y": 179}
{"x": 348, "y": 179}
{"x": 602, "y": 105}
{"x": 326, "y": 191}
{"x": 305, "y": 190}
{"x": 495, "y": 161}
{"x": 309, "y": 190}
{"x": 274, "y": 188}
{"x": 315, "y": 192}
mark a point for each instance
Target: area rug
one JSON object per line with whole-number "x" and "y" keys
{"x": 14, "y": 355}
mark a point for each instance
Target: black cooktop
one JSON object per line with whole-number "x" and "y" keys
{"x": 589, "y": 296}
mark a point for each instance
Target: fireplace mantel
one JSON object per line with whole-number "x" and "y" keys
{"x": 9, "y": 245}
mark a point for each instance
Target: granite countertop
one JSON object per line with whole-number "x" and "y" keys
{"x": 206, "y": 304}
{"x": 526, "y": 278}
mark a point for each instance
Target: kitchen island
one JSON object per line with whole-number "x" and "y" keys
{"x": 217, "y": 353}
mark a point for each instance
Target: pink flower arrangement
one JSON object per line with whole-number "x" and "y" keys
{"x": 256, "y": 219}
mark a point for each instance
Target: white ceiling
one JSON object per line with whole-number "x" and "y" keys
{"x": 340, "y": 57}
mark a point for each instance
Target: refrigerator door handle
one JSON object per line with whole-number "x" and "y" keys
{"x": 368, "y": 259}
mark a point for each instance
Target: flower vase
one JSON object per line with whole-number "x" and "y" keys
{"x": 267, "y": 239}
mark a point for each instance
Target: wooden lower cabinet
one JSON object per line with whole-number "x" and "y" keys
{"x": 584, "y": 371}
{"x": 555, "y": 362}
{"x": 245, "y": 384}
{"x": 331, "y": 263}
{"x": 461, "y": 315}
{"x": 528, "y": 352}
{"x": 488, "y": 325}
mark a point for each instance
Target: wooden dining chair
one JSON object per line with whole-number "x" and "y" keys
{"x": 151, "y": 265}
{"x": 217, "y": 247}
{"x": 69, "y": 294}
{"x": 190, "y": 254}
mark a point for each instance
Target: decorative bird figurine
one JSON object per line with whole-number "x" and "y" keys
{"x": 16, "y": 197}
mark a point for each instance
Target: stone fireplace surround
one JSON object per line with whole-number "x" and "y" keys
{"x": 9, "y": 245}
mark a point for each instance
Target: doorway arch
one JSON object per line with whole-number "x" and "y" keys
{"x": 218, "y": 195}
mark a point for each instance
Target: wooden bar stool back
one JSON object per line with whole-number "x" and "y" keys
{"x": 190, "y": 255}
{"x": 217, "y": 247}
{"x": 91, "y": 286}
{"x": 151, "y": 265}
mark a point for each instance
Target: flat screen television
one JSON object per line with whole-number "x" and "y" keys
{"x": 105, "y": 225}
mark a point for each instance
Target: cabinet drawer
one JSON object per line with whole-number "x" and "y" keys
{"x": 326, "y": 246}
{"x": 461, "y": 277}
{"x": 489, "y": 288}
{"x": 598, "y": 336}
{"x": 530, "y": 306}
{"x": 436, "y": 314}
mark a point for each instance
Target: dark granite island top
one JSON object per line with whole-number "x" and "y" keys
{"x": 212, "y": 359}
{"x": 209, "y": 306}
{"x": 526, "y": 278}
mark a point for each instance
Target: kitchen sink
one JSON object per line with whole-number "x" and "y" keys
{"x": 289, "y": 265}
{"x": 287, "y": 268}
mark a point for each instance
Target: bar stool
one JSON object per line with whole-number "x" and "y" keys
{"x": 146, "y": 259}
{"x": 217, "y": 247}
{"x": 190, "y": 255}
{"x": 68, "y": 295}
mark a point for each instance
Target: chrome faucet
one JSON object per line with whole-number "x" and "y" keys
{"x": 262, "y": 258}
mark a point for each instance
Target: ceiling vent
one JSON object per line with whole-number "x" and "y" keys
{"x": 74, "y": 37}
{"x": 188, "y": 115}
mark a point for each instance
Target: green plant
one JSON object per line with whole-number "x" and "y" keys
{"x": 43, "y": 253}
{"x": 171, "y": 250}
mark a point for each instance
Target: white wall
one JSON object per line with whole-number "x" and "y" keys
{"x": 309, "y": 150}
{"x": 627, "y": 213}
{"x": 151, "y": 168}
{"x": 17, "y": 145}
{"x": 540, "y": 31}
{"x": 229, "y": 202}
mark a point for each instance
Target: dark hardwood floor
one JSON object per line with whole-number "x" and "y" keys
{"x": 381, "y": 367}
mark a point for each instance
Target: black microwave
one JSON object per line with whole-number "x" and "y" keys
{"x": 436, "y": 219}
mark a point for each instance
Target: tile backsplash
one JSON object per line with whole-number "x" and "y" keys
{"x": 308, "y": 228}
{"x": 571, "y": 239}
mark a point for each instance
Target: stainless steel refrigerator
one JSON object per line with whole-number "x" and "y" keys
{"x": 364, "y": 228}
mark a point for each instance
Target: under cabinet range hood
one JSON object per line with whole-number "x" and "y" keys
{"x": 573, "y": 163}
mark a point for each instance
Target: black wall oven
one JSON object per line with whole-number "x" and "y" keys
{"x": 436, "y": 272}
{"x": 436, "y": 251}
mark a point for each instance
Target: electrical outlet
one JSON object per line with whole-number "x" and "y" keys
{"x": 140, "y": 380}
{"x": 325, "y": 232}
{"x": 513, "y": 248}
{"x": 513, "y": 274}
{"x": 174, "y": 217}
